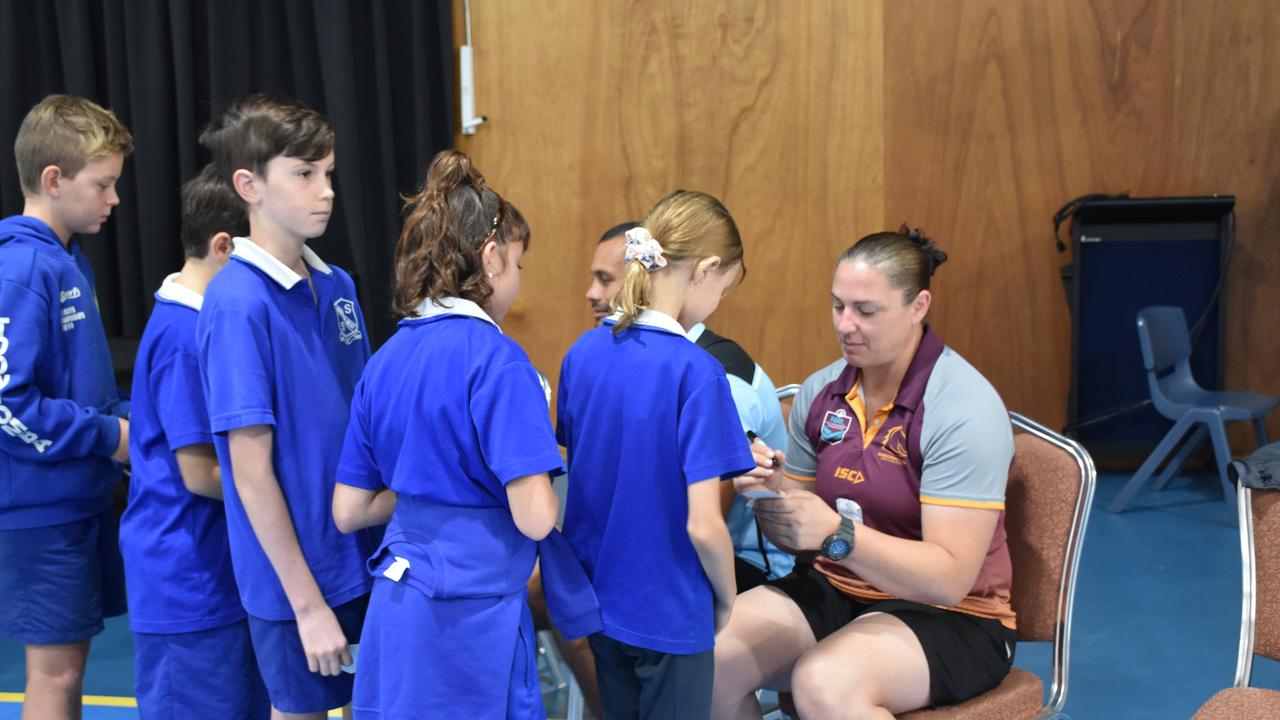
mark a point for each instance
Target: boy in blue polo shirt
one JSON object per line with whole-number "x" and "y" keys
{"x": 61, "y": 422}
{"x": 190, "y": 638}
{"x": 282, "y": 344}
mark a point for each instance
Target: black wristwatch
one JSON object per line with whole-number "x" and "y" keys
{"x": 838, "y": 545}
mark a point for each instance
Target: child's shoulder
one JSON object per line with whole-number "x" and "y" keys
{"x": 20, "y": 264}
{"x": 237, "y": 286}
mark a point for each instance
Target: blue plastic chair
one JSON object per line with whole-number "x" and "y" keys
{"x": 1166, "y": 354}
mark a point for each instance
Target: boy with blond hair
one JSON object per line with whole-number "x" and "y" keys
{"x": 62, "y": 421}
{"x": 281, "y": 344}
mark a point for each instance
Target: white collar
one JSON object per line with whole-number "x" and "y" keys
{"x": 429, "y": 308}
{"x": 655, "y": 319}
{"x": 696, "y": 331}
{"x": 257, "y": 256}
{"x": 174, "y": 292}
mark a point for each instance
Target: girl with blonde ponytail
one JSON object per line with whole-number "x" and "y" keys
{"x": 650, "y": 426}
{"x": 450, "y": 441}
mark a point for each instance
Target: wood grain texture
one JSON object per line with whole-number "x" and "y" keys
{"x": 596, "y": 110}
{"x": 1001, "y": 111}
{"x": 819, "y": 122}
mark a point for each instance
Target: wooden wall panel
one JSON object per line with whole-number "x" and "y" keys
{"x": 819, "y": 122}
{"x": 597, "y": 109}
{"x": 1001, "y": 111}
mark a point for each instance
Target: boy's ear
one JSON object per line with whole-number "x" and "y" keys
{"x": 246, "y": 186}
{"x": 50, "y": 181}
{"x": 220, "y": 246}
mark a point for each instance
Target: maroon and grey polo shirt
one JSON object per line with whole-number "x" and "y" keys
{"x": 946, "y": 440}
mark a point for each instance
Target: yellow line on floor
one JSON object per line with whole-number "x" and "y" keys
{"x": 95, "y": 700}
{"x": 108, "y": 701}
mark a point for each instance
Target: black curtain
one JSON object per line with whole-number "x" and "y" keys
{"x": 381, "y": 70}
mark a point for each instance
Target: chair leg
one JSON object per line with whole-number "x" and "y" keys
{"x": 1152, "y": 462}
{"x": 1222, "y": 458}
{"x": 1181, "y": 458}
{"x": 1260, "y": 431}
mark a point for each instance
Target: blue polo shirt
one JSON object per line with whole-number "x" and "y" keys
{"x": 643, "y": 414}
{"x": 449, "y": 411}
{"x": 273, "y": 354}
{"x": 177, "y": 563}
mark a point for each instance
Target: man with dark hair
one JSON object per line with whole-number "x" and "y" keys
{"x": 606, "y": 269}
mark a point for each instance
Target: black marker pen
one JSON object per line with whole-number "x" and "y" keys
{"x": 752, "y": 437}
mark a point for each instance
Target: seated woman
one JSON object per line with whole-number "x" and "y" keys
{"x": 893, "y": 483}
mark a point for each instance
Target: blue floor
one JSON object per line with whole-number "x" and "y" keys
{"x": 1156, "y": 628}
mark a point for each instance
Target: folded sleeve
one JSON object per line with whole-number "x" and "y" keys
{"x": 179, "y": 401}
{"x": 509, "y": 413}
{"x": 235, "y": 356}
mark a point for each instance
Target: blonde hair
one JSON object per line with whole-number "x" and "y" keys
{"x": 689, "y": 225}
{"x": 69, "y": 132}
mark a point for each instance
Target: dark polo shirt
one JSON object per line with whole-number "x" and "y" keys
{"x": 946, "y": 440}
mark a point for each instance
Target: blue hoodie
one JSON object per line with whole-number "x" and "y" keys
{"x": 58, "y": 394}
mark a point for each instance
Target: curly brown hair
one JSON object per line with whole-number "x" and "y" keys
{"x": 446, "y": 227}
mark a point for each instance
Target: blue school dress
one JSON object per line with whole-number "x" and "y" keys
{"x": 448, "y": 412}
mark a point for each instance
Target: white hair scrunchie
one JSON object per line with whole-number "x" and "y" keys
{"x": 641, "y": 246}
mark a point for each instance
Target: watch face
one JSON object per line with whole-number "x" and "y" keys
{"x": 836, "y": 548}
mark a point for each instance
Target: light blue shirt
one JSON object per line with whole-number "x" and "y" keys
{"x": 760, "y": 412}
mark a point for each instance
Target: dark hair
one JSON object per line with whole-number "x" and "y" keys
{"x": 257, "y": 128}
{"x": 446, "y": 226}
{"x": 209, "y": 206}
{"x": 618, "y": 230}
{"x": 908, "y": 258}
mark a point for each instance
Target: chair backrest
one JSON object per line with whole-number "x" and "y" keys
{"x": 786, "y": 396}
{"x": 1047, "y": 504}
{"x": 1260, "y": 559}
{"x": 1162, "y": 332}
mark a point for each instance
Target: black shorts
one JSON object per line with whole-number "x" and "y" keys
{"x": 967, "y": 655}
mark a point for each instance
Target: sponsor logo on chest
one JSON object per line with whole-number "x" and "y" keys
{"x": 70, "y": 314}
{"x": 835, "y": 425}
{"x": 853, "y": 475}
{"x": 893, "y": 446}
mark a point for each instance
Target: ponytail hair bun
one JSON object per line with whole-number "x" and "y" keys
{"x": 448, "y": 170}
{"x": 932, "y": 254}
{"x": 447, "y": 224}
{"x": 908, "y": 258}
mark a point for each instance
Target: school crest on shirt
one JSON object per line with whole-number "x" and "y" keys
{"x": 835, "y": 425}
{"x": 348, "y": 323}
